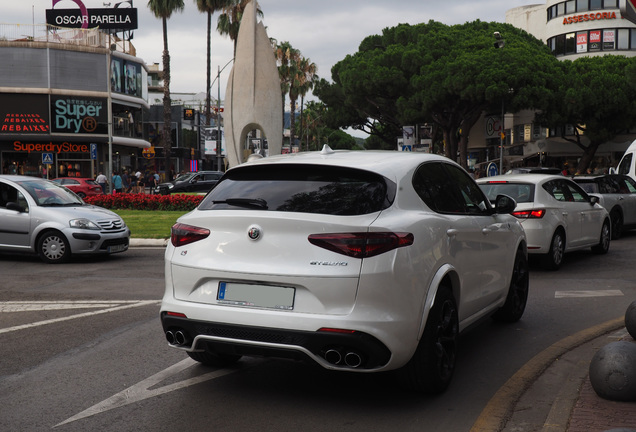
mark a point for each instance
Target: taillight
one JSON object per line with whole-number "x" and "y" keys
{"x": 183, "y": 234}
{"x": 361, "y": 245}
{"x": 529, "y": 214}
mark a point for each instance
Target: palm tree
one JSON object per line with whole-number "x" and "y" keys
{"x": 209, "y": 7}
{"x": 229, "y": 21}
{"x": 164, "y": 9}
{"x": 304, "y": 81}
{"x": 287, "y": 58}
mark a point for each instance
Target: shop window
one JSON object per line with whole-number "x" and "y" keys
{"x": 623, "y": 39}
{"x": 570, "y": 43}
{"x": 561, "y": 9}
{"x": 632, "y": 39}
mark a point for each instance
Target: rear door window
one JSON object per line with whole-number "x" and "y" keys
{"x": 302, "y": 188}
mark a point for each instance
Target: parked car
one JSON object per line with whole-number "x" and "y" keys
{"x": 627, "y": 164}
{"x": 42, "y": 217}
{"x": 83, "y": 187}
{"x": 557, "y": 215}
{"x": 356, "y": 261}
{"x": 617, "y": 193}
{"x": 533, "y": 170}
{"x": 200, "y": 181}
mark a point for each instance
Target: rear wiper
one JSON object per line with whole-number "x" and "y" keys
{"x": 244, "y": 202}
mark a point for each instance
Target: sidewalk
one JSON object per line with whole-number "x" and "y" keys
{"x": 562, "y": 397}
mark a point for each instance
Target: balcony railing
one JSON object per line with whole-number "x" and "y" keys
{"x": 67, "y": 36}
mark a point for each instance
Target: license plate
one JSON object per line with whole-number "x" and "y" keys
{"x": 117, "y": 248}
{"x": 252, "y": 295}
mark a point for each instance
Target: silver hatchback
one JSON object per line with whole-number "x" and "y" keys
{"x": 39, "y": 216}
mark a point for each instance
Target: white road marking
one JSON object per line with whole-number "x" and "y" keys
{"x": 111, "y": 306}
{"x": 141, "y": 391}
{"x": 588, "y": 293}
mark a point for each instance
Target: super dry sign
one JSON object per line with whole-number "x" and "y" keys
{"x": 79, "y": 115}
{"x": 50, "y": 147}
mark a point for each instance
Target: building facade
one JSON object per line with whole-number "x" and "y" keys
{"x": 72, "y": 103}
{"x": 572, "y": 29}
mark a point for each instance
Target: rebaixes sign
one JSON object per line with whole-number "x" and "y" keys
{"x": 78, "y": 115}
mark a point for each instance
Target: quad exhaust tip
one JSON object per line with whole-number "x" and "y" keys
{"x": 350, "y": 358}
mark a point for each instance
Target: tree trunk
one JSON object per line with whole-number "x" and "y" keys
{"x": 167, "y": 103}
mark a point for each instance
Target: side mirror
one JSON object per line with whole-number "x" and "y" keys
{"x": 594, "y": 199}
{"x": 612, "y": 170}
{"x": 505, "y": 204}
{"x": 15, "y": 207}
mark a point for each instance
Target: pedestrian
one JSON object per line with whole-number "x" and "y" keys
{"x": 102, "y": 181}
{"x": 125, "y": 179}
{"x": 118, "y": 184}
{"x": 133, "y": 184}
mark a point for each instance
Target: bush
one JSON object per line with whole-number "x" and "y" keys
{"x": 126, "y": 201}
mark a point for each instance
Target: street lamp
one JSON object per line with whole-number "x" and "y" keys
{"x": 499, "y": 44}
{"x": 218, "y": 113}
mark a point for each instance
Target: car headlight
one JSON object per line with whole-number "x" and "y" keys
{"x": 170, "y": 186}
{"x": 83, "y": 224}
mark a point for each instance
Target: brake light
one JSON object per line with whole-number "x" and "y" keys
{"x": 361, "y": 245}
{"x": 497, "y": 182}
{"x": 529, "y": 214}
{"x": 176, "y": 314}
{"x": 335, "y": 330}
{"x": 182, "y": 234}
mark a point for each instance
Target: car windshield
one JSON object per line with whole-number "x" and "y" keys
{"x": 302, "y": 188}
{"x": 49, "y": 194}
{"x": 520, "y": 192}
{"x": 184, "y": 177}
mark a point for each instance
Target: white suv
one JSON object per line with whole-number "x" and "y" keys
{"x": 358, "y": 261}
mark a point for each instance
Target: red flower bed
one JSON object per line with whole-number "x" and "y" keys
{"x": 127, "y": 201}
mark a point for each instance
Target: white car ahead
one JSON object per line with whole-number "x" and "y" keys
{"x": 358, "y": 261}
{"x": 556, "y": 213}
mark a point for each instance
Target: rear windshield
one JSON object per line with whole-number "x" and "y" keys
{"x": 301, "y": 188}
{"x": 520, "y": 192}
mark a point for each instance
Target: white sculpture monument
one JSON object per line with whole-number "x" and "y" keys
{"x": 253, "y": 97}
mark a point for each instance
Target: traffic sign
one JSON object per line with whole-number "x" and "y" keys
{"x": 93, "y": 151}
{"x": 47, "y": 158}
{"x": 492, "y": 169}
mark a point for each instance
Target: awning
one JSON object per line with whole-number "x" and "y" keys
{"x": 131, "y": 142}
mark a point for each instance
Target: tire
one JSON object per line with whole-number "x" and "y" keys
{"x": 515, "y": 304}
{"x": 604, "y": 242}
{"x": 431, "y": 368}
{"x": 214, "y": 359}
{"x": 554, "y": 258}
{"x": 53, "y": 248}
{"x": 617, "y": 224}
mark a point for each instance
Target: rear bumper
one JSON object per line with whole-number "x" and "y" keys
{"x": 332, "y": 350}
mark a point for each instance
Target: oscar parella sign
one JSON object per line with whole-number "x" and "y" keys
{"x": 79, "y": 115}
{"x": 105, "y": 19}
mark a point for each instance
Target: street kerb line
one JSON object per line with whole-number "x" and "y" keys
{"x": 82, "y": 315}
{"x": 500, "y": 407}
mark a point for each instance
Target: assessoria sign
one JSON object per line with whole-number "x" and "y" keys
{"x": 598, "y": 16}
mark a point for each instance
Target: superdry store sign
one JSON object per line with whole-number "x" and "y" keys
{"x": 79, "y": 115}
{"x": 24, "y": 114}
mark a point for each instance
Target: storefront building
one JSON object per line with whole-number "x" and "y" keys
{"x": 572, "y": 29}
{"x": 71, "y": 103}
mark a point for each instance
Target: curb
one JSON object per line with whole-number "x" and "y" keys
{"x": 137, "y": 242}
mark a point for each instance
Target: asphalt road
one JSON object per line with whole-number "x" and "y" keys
{"x": 82, "y": 349}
